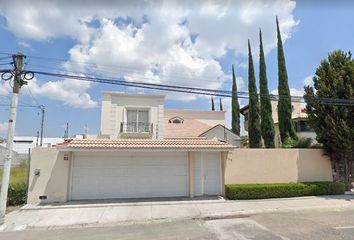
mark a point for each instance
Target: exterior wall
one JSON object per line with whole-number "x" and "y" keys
{"x": 277, "y": 166}
{"x": 211, "y": 118}
{"x": 17, "y": 159}
{"x": 53, "y": 179}
{"x": 114, "y": 106}
{"x": 222, "y": 134}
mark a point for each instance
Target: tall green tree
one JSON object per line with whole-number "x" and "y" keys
{"x": 267, "y": 124}
{"x": 220, "y": 105}
{"x": 212, "y": 104}
{"x": 235, "y": 122}
{"x": 286, "y": 127}
{"x": 333, "y": 121}
{"x": 254, "y": 131}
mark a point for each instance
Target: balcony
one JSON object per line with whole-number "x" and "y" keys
{"x": 136, "y": 129}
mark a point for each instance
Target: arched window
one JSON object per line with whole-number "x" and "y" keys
{"x": 176, "y": 120}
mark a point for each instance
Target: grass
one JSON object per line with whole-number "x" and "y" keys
{"x": 18, "y": 174}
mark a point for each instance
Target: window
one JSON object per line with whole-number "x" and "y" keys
{"x": 302, "y": 126}
{"x": 137, "y": 121}
{"x": 176, "y": 120}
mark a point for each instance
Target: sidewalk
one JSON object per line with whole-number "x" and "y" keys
{"x": 105, "y": 213}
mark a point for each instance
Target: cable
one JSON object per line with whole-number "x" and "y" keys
{"x": 200, "y": 91}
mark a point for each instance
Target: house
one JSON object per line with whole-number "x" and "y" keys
{"x": 299, "y": 117}
{"x": 142, "y": 151}
{"x": 22, "y": 144}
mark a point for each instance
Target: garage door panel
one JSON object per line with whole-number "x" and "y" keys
{"x": 129, "y": 176}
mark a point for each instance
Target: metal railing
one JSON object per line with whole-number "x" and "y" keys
{"x": 136, "y": 127}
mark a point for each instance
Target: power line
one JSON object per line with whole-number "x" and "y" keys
{"x": 200, "y": 91}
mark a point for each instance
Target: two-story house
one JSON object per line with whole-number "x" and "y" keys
{"x": 299, "y": 117}
{"x": 142, "y": 151}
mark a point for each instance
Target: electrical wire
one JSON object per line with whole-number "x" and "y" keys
{"x": 173, "y": 88}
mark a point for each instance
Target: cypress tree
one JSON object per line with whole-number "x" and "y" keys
{"x": 286, "y": 127}
{"x": 267, "y": 124}
{"x": 254, "y": 131}
{"x": 212, "y": 104}
{"x": 220, "y": 105}
{"x": 235, "y": 122}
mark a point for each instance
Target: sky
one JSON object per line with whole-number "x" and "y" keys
{"x": 186, "y": 43}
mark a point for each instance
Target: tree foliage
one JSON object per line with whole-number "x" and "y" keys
{"x": 235, "y": 122}
{"x": 220, "y": 105}
{"x": 212, "y": 104}
{"x": 334, "y": 123}
{"x": 286, "y": 127}
{"x": 254, "y": 131}
{"x": 267, "y": 124}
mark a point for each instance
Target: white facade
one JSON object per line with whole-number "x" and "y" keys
{"x": 222, "y": 133}
{"x": 23, "y": 143}
{"x": 114, "y": 115}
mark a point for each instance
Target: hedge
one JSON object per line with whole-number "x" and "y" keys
{"x": 17, "y": 194}
{"x": 282, "y": 190}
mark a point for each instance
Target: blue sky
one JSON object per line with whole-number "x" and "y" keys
{"x": 153, "y": 43}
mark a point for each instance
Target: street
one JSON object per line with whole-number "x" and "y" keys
{"x": 326, "y": 224}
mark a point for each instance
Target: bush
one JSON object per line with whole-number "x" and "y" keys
{"x": 299, "y": 143}
{"x": 17, "y": 194}
{"x": 281, "y": 190}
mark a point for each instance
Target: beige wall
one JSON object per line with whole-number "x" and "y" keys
{"x": 277, "y": 165}
{"x": 53, "y": 179}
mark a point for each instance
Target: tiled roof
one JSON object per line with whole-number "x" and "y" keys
{"x": 189, "y": 128}
{"x": 173, "y": 143}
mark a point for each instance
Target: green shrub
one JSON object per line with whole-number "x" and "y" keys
{"x": 17, "y": 194}
{"x": 281, "y": 190}
{"x": 299, "y": 143}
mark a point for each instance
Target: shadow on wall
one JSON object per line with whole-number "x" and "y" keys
{"x": 313, "y": 165}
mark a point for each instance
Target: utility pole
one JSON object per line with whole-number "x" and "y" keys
{"x": 42, "y": 107}
{"x": 18, "y": 82}
{"x": 67, "y": 130}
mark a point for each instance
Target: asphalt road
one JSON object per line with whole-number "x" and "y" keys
{"x": 327, "y": 224}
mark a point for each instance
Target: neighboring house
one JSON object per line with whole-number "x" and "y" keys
{"x": 142, "y": 151}
{"x": 22, "y": 144}
{"x": 17, "y": 159}
{"x": 299, "y": 116}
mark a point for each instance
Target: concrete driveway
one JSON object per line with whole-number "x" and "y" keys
{"x": 80, "y": 214}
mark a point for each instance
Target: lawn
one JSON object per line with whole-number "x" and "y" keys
{"x": 18, "y": 174}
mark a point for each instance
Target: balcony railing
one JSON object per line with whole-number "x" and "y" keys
{"x": 136, "y": 127}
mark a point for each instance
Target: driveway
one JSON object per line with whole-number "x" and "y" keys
{"x": 76, "y": 214}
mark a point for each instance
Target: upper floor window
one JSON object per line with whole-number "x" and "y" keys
{"x": 177, "y": 120}
{"x": 137, "y": 121}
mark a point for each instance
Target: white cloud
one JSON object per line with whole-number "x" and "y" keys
{"x": 3, "y": 128}
{"x": 5, "y": 88}
{"x": 308, "y": 80}
{"x": 25, "y": 45}
{"x": 165, "y": 42}
{"x": 293, "y": 92}
{"x": 72, "y": 93}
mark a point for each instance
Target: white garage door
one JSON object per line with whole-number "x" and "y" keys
{"x": 129, "y": 176}
{"x": 207, "y": 174}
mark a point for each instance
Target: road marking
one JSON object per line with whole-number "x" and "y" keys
{"x": 344, "y": 227}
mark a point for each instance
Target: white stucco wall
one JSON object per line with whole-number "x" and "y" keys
{"x": 221, "y": 134}
{"x": 53, "y": 179}
{"x": 114, "y": 107}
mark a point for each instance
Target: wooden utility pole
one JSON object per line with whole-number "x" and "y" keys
{"x": 18, "y": 82}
